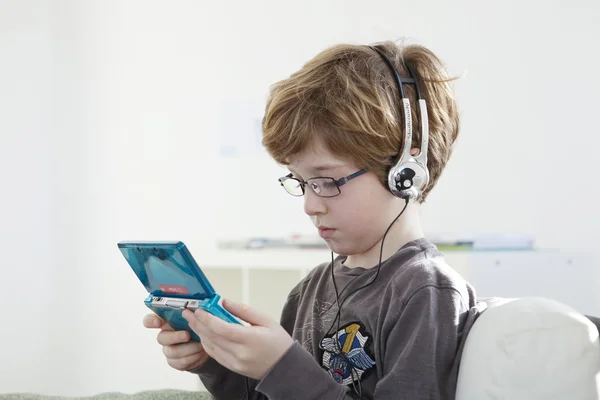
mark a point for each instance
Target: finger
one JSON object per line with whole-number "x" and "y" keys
{"x": 212, "y": 328}
{"x": 197, "y": 321}
{"x": 187, "y": 314}
{"x": 183, "y": 350}
{"x": 185, "y": 363}
{"x": 214, "y": 331}
{"x": 153, "y": 321}
{"x": 170, "y": 337}
{"x": 247, "y": 313}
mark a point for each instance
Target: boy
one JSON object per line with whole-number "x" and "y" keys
{"x": 387, "y": 317}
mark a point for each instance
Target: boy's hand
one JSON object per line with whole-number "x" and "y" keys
{"x": 181, "y": 353}
{"x": 248, "y": 350}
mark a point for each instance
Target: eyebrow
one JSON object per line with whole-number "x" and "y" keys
{"x": 327, "y": 167}
{"x": 320, "y": 168}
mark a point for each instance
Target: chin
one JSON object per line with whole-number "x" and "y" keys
{"x": 342, "y": 249}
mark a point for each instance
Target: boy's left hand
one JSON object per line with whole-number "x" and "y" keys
{"x": 248, "y": 350}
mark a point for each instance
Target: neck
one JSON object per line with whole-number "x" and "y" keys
{"x": 406, "y": 229}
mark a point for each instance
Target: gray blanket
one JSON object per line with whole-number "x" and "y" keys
{"x": 147, "y": 395}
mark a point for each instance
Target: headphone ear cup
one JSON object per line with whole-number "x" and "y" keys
{"x": 404, "y": 180}
{"x": 404, "y": 185}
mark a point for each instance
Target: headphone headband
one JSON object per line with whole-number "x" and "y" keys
{"x": 410, "y": 175}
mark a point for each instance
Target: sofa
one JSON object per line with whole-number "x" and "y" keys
{"x": 530, "y": 349}
{"x": 517, "y": 349}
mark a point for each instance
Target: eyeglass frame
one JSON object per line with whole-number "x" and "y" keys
{"x": 337, "y": 182}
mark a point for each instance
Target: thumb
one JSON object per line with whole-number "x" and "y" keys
{"x": 246, "y": 313}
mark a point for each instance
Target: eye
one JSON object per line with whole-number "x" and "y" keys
{"x": 315, "y": 186}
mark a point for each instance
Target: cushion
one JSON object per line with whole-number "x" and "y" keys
{"x": 528, "y": 349}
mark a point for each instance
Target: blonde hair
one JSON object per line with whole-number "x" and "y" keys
{"x": 347, "y": 98}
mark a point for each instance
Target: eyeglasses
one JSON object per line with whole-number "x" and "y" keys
{"x": 321, "y": 186}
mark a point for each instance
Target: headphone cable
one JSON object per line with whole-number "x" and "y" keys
{"x": 339, "y": 305}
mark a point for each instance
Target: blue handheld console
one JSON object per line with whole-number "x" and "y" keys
{"x": 174, "y": 282}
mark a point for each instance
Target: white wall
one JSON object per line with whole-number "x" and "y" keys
{"x": 110, "y": 120}
{"x": 40, "y": 206}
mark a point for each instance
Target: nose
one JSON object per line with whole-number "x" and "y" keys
{"x": 313, "y": 204}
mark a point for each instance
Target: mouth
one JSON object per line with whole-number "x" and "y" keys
{"x": 325, "y": 232}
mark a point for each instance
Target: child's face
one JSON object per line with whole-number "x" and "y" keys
{"x": 355, "y": 220}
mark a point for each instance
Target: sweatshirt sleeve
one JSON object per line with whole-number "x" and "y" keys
{"x": 418, "y": 358}
{"x": 224, "y": 384}
{"x": 297, "y": 375}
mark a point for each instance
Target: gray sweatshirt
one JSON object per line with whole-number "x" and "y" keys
{"x": 400, "y": 337}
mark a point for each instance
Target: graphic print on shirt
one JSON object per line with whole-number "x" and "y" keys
{"x": 322, "y": 317}
{"x": 352, "y": 341}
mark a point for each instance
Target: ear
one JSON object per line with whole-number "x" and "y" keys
{"x": 415, "y": 151}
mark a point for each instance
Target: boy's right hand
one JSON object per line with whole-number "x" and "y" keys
{"x": 181, "y": 353}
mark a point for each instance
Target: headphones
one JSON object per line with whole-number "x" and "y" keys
{"x": 409, "y": 176}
